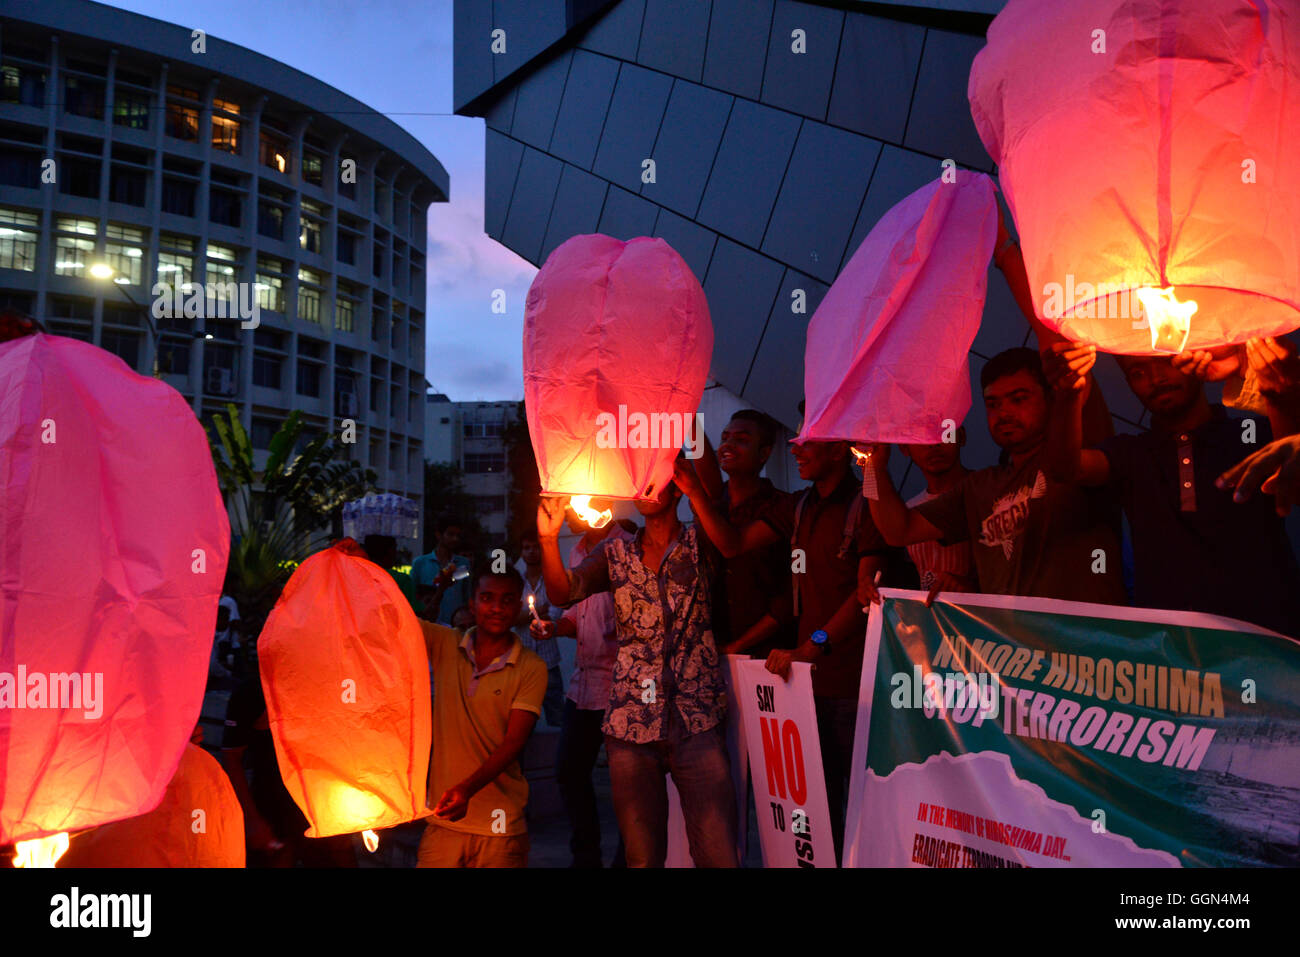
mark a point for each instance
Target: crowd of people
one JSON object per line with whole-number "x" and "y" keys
{"x": 1186, "y": 515}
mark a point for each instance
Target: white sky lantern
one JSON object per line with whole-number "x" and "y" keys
{"x": 1150, "y": 153}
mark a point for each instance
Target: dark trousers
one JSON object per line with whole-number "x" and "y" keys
{"x": 836, "y": 720}
{"x": 580, "y": 741}
{"x": 701, "y": 771}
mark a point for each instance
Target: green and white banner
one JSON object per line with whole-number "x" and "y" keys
{"x": 1015, "y": 732}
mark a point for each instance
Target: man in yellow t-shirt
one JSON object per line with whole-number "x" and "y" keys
{"x": 488, "y": 691}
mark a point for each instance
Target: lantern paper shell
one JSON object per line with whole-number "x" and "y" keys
{"x": 113, "y": 547}
{"x": 886, "y": 359}
{"x": 346, "y": 676}
{"x": 198, "y": 824}
{"x": 613, "y": 331}
{"x": 1169, "y": 159}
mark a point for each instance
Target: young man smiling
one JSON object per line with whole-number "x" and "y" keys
{"x": 488, "y": 691}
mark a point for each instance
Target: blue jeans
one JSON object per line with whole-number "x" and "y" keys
{"x": 702, "y": 773}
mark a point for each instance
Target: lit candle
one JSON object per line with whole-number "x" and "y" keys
{"x": 532, "y": 606}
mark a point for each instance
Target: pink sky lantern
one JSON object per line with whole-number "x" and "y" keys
{"x": 886, "y": 359}
{"x": 617, "y": 346}
{"x": 1150, "y": 153}
{"x": 346, "y": 677}
{"x": 113, "y": 548}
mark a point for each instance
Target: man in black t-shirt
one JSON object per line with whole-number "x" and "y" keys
{"x": 1194, "y": 549}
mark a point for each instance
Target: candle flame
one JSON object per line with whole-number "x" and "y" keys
{"x": 371, "y": 839}
{"x": 40, "y": 852}
{"x": 862, "y": 457}
{"x": 1169, "y": 319}
{"x": 582, "y": 505}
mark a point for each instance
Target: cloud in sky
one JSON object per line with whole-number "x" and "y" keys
{"x": 396, "y": 57}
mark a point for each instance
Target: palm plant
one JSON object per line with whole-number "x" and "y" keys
{"x": 282, "y": 513}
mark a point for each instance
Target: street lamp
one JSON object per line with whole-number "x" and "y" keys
{"x": 102, "y": 271}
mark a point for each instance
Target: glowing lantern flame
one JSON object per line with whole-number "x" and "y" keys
{"x": 582, "y": 505}
{"x": 1170, "y": 320}
{"x": 869, "y": 488}
{"x": 40, "y": 852}
{"x": 371, "y": 839}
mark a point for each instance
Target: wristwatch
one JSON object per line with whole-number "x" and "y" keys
{"x": 822, "y": 641}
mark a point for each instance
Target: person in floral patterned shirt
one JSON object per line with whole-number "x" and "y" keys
{"x": 667, "y": 700}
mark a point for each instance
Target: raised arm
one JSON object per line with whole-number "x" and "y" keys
{"x": 898, "y": 524}
{"x": 728, "y": 539}
{"x": 1067, "y": 366}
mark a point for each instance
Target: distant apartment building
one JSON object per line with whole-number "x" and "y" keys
{"x": 186, "y": 169}
{"x": 471, "y": 435}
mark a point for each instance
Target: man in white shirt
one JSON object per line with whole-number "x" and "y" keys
{"x": 591, "y": 621}
{"x": 530, "y": 567}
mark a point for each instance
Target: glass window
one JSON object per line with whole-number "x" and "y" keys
{"x": 72, "y": 255}
{"x": 225, "y": 125}
{"x": 270, "y": 220}
{"x": 174, "y": 356}
{"x": 124, "y": 345}
{"x": 220, "y": 277}
{"x": 127, "y": 261}
{"x": 480, "y": 462}
{"x": 130, "y": 234}
{"x": 313, "y": 168}
{"x": 131, "y": 108}
{"x": 227, "y": 253}
{"x": 309, "y": 303}
{"x": 182, "y": 113}
{"x": 83, "y": 96}
{"x": 273, "y": 150}
{"x": 22, "y": 84}
{"x": 266, "y": 370}
{"x": 18, "y": 238}
{"x": 344, "y": 312}
{"x": 79, "y": 177}
{"x": 347, "y": 248}
{"x": 178, "y": 196}
{"x": 270, "y": 292}
{"x": 175, "y": 269}
{"x": 180, "y": 243}
{"x": 309, "y": 238}
{"x": 308, "y": 379}
{"x": 128, "y": 185}
{"x": 224, "y": 207}
{"x": 70, "y": 224}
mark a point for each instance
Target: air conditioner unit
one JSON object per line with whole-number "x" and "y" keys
{"x": 347, "y": 403}
{"x": 220, "y": 381}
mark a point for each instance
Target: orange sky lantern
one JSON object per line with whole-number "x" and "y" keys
{"x": 617, "y": 346}
{"x": 198, "y": 824}
{"x": 1150, "y": 153}
{"x": 113, "y": 546}
{"x": 346, "y": 677}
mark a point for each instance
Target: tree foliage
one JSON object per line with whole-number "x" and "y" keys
{"x": 281, "y": 513}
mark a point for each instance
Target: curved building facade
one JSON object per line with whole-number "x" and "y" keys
{"x": 762, "y": 139}
{"x": 131, "y": 159}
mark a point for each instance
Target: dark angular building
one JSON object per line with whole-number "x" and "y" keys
{"x": 780, "y": 133}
